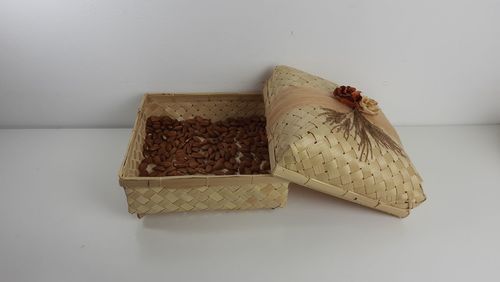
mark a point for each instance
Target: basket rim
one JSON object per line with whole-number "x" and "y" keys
{"x": 194, "y": 176}
{"x": 203, "y": 94}
{"x": 133, "y": 134}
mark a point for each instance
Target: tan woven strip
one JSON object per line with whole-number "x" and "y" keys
{"x": 152, "y": 200}
{"x": 294, "y": 97}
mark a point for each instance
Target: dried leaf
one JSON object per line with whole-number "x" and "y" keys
{"x": 367, "y": 133}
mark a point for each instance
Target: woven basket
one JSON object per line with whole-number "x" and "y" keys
{"x": 151, "y": 195}
{"x": 306, "y": 150}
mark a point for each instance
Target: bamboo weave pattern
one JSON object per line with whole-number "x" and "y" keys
{"x": 150, "y": 195}
{"x": 306, "y": 151}
{"x": 229, "y": 197}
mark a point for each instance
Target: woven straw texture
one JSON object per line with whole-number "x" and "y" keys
{"x": 150, "y": 195}
{"x": 228, "y": 197}
{"x": 305, "y": 150}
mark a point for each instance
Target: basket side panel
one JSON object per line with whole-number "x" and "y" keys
{"x": 153, "y": 200}
{"x": 212, "y": 106}
{"x": 134, "y": 154}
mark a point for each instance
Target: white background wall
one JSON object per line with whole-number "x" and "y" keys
{"x": 85, "y": 63}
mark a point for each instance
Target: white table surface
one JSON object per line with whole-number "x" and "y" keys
{"x": 63, "y": 217}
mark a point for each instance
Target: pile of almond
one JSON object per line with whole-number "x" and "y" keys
{"x": 200, "y": 146}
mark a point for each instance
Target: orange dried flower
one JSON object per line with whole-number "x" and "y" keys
{"x": 348, "y": 95}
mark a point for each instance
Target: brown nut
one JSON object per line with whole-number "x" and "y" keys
{"x": 208, "y": 168}
{"x": 219, "y": 164}
{"x": 156, "y": 159}
{"x": 198, "y": 146}
{"x": 197, "y": 155}
{"x": 193, "y": 164}
{"x": 218, "y": 172}
{"x": 180, "y": 165}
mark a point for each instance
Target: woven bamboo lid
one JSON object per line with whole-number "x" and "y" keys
{"x": 322, "y": 143}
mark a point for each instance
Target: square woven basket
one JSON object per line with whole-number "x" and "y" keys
{"x": 152, "y": 195}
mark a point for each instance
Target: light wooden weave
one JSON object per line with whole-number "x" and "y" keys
{"x": 150, "y": 195}
{"x": 304, "y": 150}
{"x": 227, "y": 197}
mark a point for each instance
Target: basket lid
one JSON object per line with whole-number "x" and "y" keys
{"x": 342, "y": 146}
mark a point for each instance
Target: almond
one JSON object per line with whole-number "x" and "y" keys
{"x": 198, "y": 146}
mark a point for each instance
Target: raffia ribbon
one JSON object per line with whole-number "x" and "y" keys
{"x": 294, "y": 97}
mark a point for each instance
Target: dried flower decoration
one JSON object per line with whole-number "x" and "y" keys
{"x": 348, "y": 95}
{"x": 368, "y": 106}
{"x": 367, "y": 133}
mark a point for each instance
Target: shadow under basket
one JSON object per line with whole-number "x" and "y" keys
{"x": 152, "y": 195}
